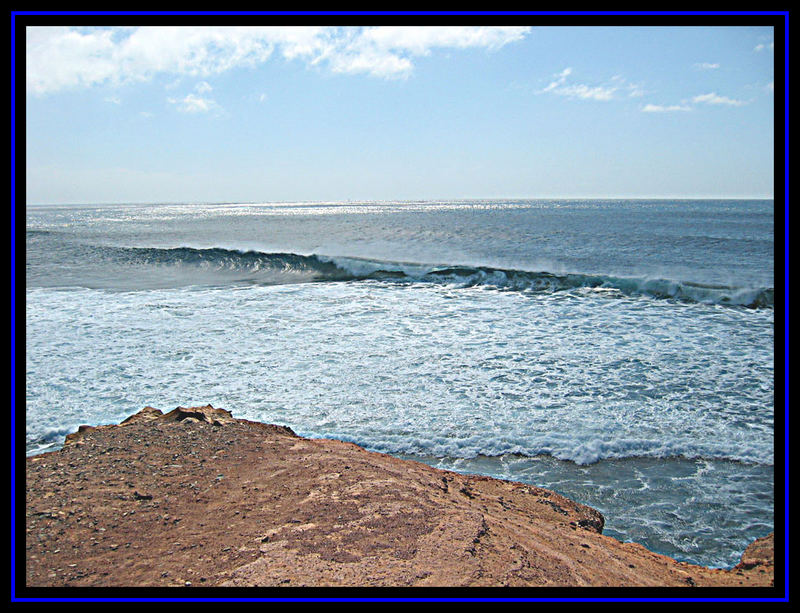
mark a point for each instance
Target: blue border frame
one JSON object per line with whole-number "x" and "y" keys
{"x": 14, "y": 14}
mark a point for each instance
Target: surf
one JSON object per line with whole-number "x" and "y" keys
{"x": 218, "y": 265}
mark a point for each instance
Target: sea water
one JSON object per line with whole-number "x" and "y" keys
{"x": 619, "y": 352}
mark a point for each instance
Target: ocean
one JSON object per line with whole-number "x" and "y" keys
{"x": 620, "y": 352}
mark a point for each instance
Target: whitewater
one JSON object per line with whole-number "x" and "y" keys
{"x": 620, "y": 352}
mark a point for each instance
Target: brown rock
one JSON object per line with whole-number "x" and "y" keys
{"x": 145, "y": 414}
{"x": 199, "y": 497}
{"x": 760, "y": 553}
{"x": 207, "y": 414}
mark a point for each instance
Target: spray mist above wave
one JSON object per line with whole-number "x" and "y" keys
{"x": 278, "y": 268}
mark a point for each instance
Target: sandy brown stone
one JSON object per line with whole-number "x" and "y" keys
{"x": 196, "y": 496}
{"x": 759, "y": 554}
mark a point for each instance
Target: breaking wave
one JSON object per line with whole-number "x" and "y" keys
{"x": 278, "y": 268}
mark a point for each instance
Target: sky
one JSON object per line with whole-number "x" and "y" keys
{"x": 266, "y": 114}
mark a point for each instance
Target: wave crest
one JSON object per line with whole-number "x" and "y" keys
{"x": 275, "y": 268}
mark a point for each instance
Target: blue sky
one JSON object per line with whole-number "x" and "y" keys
{"x": 275, "y": 114}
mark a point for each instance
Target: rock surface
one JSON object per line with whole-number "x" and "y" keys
{"x": 197, "y": 497}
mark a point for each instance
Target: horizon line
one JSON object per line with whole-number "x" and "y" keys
{"x": 397, "y": 200}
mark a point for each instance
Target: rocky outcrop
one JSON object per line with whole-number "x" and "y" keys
{"x": 760, "y": 554}
{"x": 197, "y": 497}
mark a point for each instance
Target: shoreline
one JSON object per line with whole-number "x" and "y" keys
{"x": 196, "y": 497}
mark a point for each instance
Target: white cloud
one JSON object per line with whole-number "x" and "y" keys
{"x": 713, "y": 98}
{"x": 202, "y": 87}
{"x": 761, "y": 46}
{"x": 113, "y": 99}
{"x": 370, "y": 61}
{"x": 193, "y": 104}
{"x": 706, "y": 66}
{"x": 657, "y": 108}
{"x": 420, "y": 41}
{"x": 771, "y": 86}
{"x": 684, "y": 106}
{"x": 561, "y": 78}
{"x": 604, "y": 91}
{"x": 59, "y": 58}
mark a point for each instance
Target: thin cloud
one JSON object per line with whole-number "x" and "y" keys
{"x": 713, "y": 98}
{"x": 706, "y": 66}
{"x": 59, "y": 58}
{"x": 657, "y": 108}
{"x": 608, "y": 90}
{"x": 193, "y": 104}
{"x": 761, "y": 46}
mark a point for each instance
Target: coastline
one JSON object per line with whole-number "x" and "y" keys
{"x": 196, "y": 497}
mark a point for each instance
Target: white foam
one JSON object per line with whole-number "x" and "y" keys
{"x": 461, "y": 372}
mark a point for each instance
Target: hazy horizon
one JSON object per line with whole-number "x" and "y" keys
{"x": 397, "y": 200}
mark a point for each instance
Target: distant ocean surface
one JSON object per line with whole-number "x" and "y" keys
{"x": 619, "y": 352}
